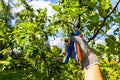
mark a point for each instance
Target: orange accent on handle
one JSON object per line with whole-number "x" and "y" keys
{"x": 79, "y": 50}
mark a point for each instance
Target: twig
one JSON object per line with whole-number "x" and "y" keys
{"x": 66, "y": 22}
{"x": 102, "y": 24}
{"x": 112, "y": 71}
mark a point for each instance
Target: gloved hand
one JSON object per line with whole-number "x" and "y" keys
{"x": 89, "y": 58}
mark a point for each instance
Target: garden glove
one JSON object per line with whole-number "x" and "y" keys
{"x": 89, "y": 58}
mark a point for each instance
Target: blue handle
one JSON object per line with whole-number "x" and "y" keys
{"x": 77, "y": 33}
{"x": 70, "y": 48}
{"x": 69, "y": 52}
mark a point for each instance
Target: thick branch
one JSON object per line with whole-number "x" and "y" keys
{"x": 113, "y": 9}
{"x": 102, "y": 24}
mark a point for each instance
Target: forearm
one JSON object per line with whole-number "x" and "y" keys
{"x": 90, "y": 61}
{"x": 93, "y": 73}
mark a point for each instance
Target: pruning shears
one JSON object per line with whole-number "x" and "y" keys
{"x": 78, "y": 53}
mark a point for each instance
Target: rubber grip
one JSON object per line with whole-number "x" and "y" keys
{"x": 79, "y": 51}
{"x": 69, "y": 52}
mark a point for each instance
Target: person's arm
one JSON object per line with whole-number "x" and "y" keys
{"x": 93, "y": 73}
{"x": 90, "y": 61}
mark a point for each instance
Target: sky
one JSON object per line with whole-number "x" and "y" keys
{"x": 50, "y": 12}
{"x": 113, "y": 3}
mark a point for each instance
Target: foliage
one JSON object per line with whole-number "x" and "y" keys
{"x": 30, "y": 34}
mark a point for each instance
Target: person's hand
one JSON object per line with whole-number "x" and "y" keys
{"x": 89, "y": 58}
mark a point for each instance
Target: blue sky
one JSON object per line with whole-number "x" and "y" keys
{"x": 52, "y": 1}
{"x": 113, "y": 3}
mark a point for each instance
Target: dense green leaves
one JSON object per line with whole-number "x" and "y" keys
{"x": 33, "y": 27}
{"x": 113, "y": 45}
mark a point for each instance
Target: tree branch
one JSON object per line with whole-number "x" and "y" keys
{"x": 102, "y": 24}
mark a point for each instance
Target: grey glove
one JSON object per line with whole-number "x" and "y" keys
{"x": 89, "y": 58}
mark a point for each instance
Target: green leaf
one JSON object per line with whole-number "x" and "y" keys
{"x": 56, "y": 7}
{"x": 95, "y": 18}
{"x": 94, "y": 1}
{"x": 101, "y": 11}
{"x": 91, "y": 4}
{"x": 111, "y": 43}
{"x": 105, "y": 4}
{"x": 42, "y": 55}
{"x": 80, "y": 11}
{"x": 9, "y": 58}
{"x": 35, "y": 53}
{"x": 2, "y": 39}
